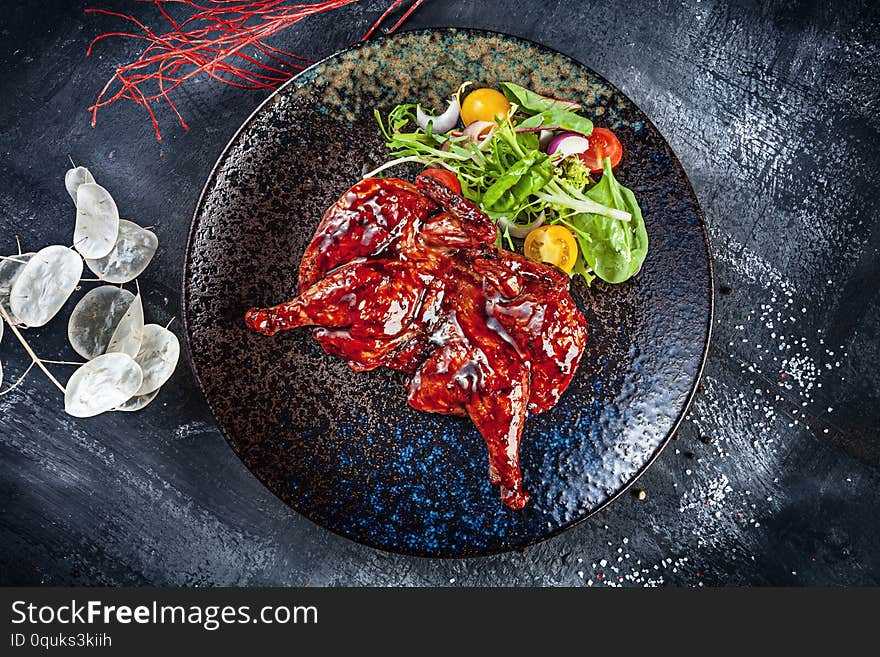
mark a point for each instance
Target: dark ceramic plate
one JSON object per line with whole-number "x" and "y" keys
{"x": 343, "y": 448}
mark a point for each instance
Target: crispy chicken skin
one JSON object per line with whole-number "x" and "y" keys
{"x": 406, "y": 276}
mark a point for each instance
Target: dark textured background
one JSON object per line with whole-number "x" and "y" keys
{"x": 774, "y": 111}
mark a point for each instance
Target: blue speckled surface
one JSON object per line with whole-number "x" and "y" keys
{"x": 344, "y": 448}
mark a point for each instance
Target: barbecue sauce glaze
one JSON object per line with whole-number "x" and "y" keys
{"x": 407, "y": 277}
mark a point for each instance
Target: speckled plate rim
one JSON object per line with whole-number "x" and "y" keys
{"x": 187, "y": 261}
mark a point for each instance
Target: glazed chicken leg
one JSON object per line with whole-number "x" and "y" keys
{"x": 405, "y": 276}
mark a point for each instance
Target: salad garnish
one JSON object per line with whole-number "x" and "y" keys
{"x": 531, "y": 162}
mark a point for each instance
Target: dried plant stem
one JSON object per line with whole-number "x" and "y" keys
{"x": 20, "y": 379}
{"x": 27, "y": 348}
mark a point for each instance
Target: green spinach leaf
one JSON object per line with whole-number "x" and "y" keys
{"x": 531, "y": 102}
{"x": 613, "y": 249}
{"x": 558, "y": 119}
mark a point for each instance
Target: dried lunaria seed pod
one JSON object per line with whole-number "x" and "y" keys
{"x": 10, "y": 269}
{"x": 95, "y": 318}
{"x": 129, "y": 333}
{"x": 137, "y": 402}
{"x": 44, "y": 285}
{"x": 74, "y": 178}
{"x": 133, "y": 251}
{"x": 127, "y": 361}
{"x": 157, "y": 357}
{"x": 97, "y": 221}
{"x": 101, "y": 385}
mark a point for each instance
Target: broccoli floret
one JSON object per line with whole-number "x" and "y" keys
{"x": 574, "y": 172}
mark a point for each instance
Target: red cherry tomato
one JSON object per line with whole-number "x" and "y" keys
{"x": 603, "y": 143}
{"x": 444, "y": 177}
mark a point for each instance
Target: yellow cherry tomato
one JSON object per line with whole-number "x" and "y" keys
{"x": 484, "y": 105}
{"x": 552, "y": 244}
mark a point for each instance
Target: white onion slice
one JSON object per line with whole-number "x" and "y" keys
{"x": 157, "y": 357}
{"x": 97, "y": 221}
{"x": 443, "y": 123}
{"x": 521, "y": 230}
{"x": 95, "y": 318}
{"x": 480, "y": 130}
{"x": 130, "y": 256}
{"x": 568, "y": 143}
{"x": 76, "y": 177}
{"x": 101, "y": 385}
{"x": 44, "y": 285}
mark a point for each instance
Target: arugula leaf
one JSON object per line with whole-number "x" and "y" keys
{"x": 614, "y": 250}
{"x": 534, "y": 103}
{"x": 558, "y": 119}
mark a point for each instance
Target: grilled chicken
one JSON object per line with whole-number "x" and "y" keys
{"x": 406, "y": 276}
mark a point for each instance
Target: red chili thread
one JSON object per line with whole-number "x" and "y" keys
{"x": 226, "y": 40}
